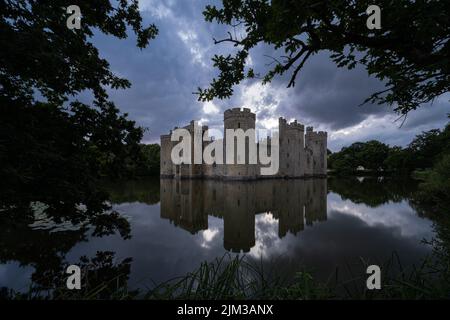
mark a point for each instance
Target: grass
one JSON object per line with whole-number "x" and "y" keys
{"x": 239, "y": 277}
{"x": 235, "y": 278}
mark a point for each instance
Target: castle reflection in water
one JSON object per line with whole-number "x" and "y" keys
{"x": 294, "y": 203}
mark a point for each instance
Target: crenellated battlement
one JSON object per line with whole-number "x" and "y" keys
{"x": 294, "y": 125}
{"x": 318, "y": 135}
{"x": 166, "y": 136}
{"x": 189, "y": 127}
{"x": 240, "y": 113}
{"x": 302, "y": 151}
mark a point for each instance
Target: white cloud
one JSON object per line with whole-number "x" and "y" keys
{"x": 210, "y": 108}
{"x": 208, "y": 236}
{"x": 266, "y": 230}
{"x": 202, "y": 121}
{"x": 264, "y": 100}
{"x": 387, "y": 128}
{"x": 156, "y": 8}
{"x": 399, "y": 215}
{"x": 269, "y": 123}
{"x": 190, "y": 39}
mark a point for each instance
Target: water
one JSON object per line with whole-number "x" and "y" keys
{"x": 316, "y": 224}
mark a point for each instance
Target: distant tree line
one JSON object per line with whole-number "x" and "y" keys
{"x": 426, "y": 158}
{"x": 424, "y": 152}
{"x": 148, "y": 165}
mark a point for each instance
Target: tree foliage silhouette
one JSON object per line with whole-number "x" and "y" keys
{"x": 410, "y": 54}
{"x": 53, "y": 148}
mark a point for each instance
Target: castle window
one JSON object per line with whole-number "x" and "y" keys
{"x": 288, "y": 141}
{"x": 239, "y": 203}
{"x": 239, "y": 124}
{"x": 288, "y": 154}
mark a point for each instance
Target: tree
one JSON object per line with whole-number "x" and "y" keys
{"x": 39, "y": 52}
{"x": 410, "y": 53}
{"x": 424, "y": 152}
{"x": 435, "y": 188}
{"x": 151, "y": 159}
{"x": 399, "y": 160}
{"x": 373, "y": 155}
{"x": 425, "y": 147}
{"x": 53, "y": 148}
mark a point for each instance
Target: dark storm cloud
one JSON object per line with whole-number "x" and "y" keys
{"x": 328, "y": 95}
{"x": 165, "y": 75}
{"x": 332, "y": 97}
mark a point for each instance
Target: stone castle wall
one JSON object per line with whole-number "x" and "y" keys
{"x": 317, "y": 143}
{"x": 188, "y": 203}
{"x": 239, "y": 119}
{"x": 300, "y": 155}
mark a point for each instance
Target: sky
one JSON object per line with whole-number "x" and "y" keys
{"x": 166, "y": 73}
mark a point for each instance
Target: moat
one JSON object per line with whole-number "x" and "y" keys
{"x": 319, "y": 224}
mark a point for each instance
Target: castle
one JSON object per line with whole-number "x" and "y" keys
{"x": 301, "y": 154}
{"x": 295, "y": 204}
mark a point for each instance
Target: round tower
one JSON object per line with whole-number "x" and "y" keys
{"x": 239, "y": 216}
{"x": 240, "y": 119}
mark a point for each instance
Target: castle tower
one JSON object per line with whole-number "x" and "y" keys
{"x": 239, "y": 216}
{"x": 290, "y": 203}
{"x": 166, "y": 164}
{"x": 240, "y": 119}
{"x": 316, "y": 200}
{"x": 191, "y": 170}
{"x": 300, "y": 154}
{"x": 317, "y": 143}
{"x": 291, "y": 148}
{"x": 181, "y": 204}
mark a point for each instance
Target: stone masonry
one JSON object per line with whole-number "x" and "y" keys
{"x": 300, "y": 155}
